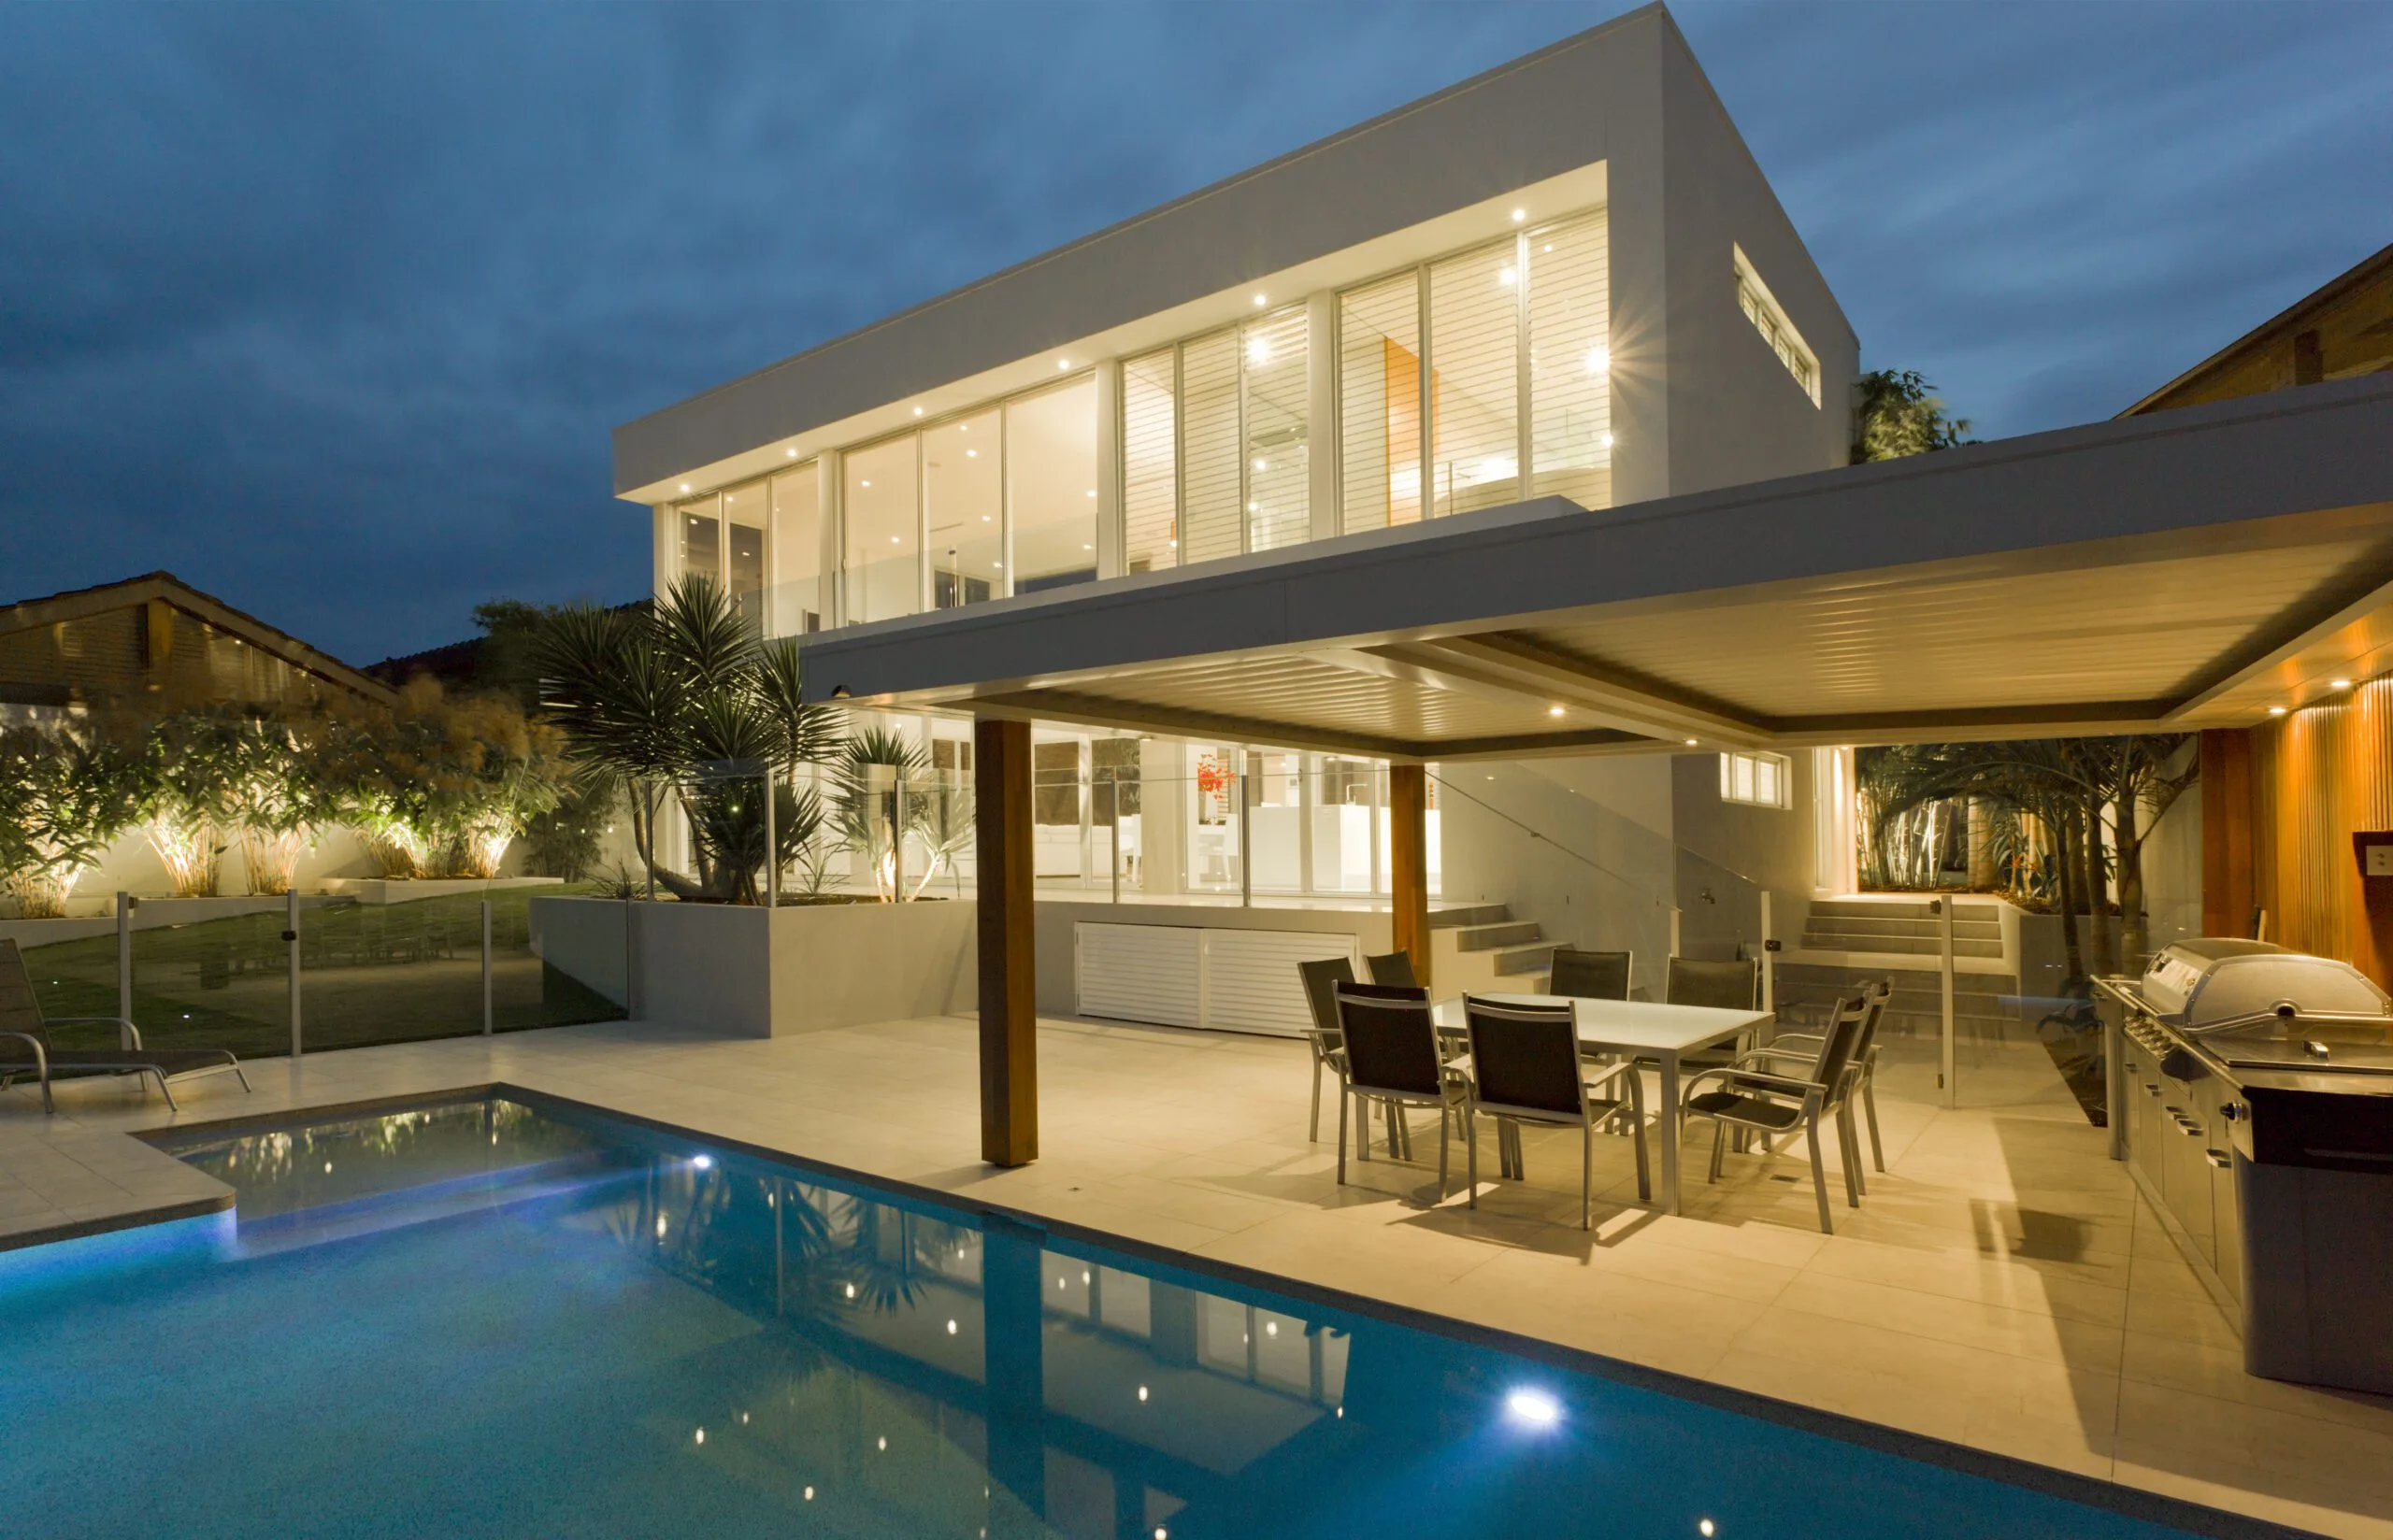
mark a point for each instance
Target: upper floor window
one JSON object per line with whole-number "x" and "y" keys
{"x": 1761, "y": 781}
{"x": 1456, "y": 375}
{"x": 1217, "y": 444}
{"x": 1753, "y": 298}
{"x": 722, "y": 539}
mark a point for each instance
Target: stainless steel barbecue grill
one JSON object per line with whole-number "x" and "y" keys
{"x": 2252, "y": 1089}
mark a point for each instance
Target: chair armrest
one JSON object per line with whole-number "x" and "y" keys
{"x": 125, "y": 1028}
{"x": 41, "y": 1059}
{"x": 1813, "y": 1038}
{"x": 1779, "y": 1084}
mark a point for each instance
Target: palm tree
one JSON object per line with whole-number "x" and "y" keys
{"x": 683, "y": 699}
{"x": 871, "y": 810}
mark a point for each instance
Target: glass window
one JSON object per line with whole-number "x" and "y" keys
{"x": 964, "y": 496}
{"x": 1475, "y": 367}
{"x": 1150, "y": 463}
{"x": 1762, "y": 308}
{"x": 881, "y": 567}
{"x": 1213, "y": 521}
{"x": 744, "y": 516}
{"x": 1758, "y": 779}
{"x": 1050, "y": 471}
{"x": 798, "y": 602}
{"x": 1276, "y": 803}
{"x": 1379, "y": 403}
{"x": 1275, "y": 418}
{"x": 701, "y": 525}
{"x": 1570, "y": 361}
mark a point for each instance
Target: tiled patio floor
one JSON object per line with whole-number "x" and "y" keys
{"x": 1981, "y": 1294}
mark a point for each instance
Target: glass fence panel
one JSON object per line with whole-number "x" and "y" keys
{"x": 223, "y": 982}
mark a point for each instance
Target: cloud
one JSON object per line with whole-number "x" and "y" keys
{"x": 330, "y": 310}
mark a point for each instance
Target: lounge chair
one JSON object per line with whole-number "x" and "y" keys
{"x": 25, "y": 1047}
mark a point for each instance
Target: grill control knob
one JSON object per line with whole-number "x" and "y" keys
{"x": 2232, "y": 1111}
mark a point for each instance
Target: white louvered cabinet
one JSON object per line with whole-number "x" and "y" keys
{"x": 1184, "y": 975}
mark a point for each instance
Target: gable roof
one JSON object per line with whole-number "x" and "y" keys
{"x": 2350, "y": 318}
{"x": 165, "y": 588}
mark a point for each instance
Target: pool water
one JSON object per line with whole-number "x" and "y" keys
{"x": 488, "y": 1320}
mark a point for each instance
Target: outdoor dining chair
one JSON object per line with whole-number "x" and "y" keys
{"x": 1322, "y": 975}
{"x": 1392, "y": 1056}
{"x": 1590, "y": 976}
{"x": 1524, "y": 1068}
{"x": 1392, "y": 968}
{"x": 1863, "y": 1069}
{"x": 1750, "y": 1098}
{"x": 1721, "y": 984}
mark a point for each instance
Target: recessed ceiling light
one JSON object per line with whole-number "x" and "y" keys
{"x": 1063, "y": 364}
{"x": 1607, "y": 441}
{"x": 2341, "y": 684}
{"x": 894, "y": 540}
{"x": 1261, "y": 300}
{"x": 972, "y": 454}
{"x": 1554, "y": 711}
{"x": 918, "y": 411}
{"x": 686, "y": 486}
{"x": 1599, "y": 360}
{"x": 1690, "y": 742}
{"x": 1519, "y": 214}
{"x": 1088, "y": 548}
{"x": 1507, "y": 277}
{"x": 868, "y": 483}
{"x": 1092, "y": 491}
{"x": 2276, "y": 711}
{"x": 793, "y": 454}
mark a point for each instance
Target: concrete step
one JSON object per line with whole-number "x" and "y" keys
{"x": 1484, "y": 938}
{"x": 1908, "y": 945}
{"x": 1905, "y": 908}
{"x": 1525, "y": 959}
{"x": 1888, "y": 925}
{"x": 1462, "y": 916}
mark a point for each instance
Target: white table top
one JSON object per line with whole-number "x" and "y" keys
{"x": 1639, "y": 1026}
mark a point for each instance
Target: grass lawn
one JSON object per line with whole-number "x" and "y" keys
{"x": 370, "y": 973}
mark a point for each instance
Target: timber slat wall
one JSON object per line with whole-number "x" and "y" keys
{"x": 2318, "y": 776}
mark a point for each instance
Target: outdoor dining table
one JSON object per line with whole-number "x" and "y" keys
{"x": 1645, "y": 1030}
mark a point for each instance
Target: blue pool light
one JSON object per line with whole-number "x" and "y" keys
{"x": 1533, "y": 1408}
{"x": 704, "y": 1163}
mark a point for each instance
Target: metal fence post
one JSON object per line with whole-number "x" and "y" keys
{"x": 1113, "y": 824}
{"x": 124, "y": 906}
{"x": 1245, "y": 833}
{"x": 772, "y": 844}
{"x": 486, "y": 1009}
{"x": 290, "y": 935}
{"x": 1945, "y": 1069}
{"x": 1768, "y": 956}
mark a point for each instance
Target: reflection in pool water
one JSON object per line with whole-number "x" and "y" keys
{"x": 489, "y": 1319}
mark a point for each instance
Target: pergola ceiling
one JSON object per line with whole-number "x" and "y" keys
{"x": 2235, "y": 558}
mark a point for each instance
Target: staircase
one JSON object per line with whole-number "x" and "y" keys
{"x": 1846, "y": 941}
{"x": 1481, "y": 947}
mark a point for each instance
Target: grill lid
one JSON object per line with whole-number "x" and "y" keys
{"x": 2255, "y": 989}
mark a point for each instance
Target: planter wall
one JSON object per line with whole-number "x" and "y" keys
{"x": 746, "y": 973}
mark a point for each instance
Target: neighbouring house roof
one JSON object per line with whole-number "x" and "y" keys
{"x": 2343, "y": 330}
{"x": 155, "y": 635}
{"x": 2196, "y": 569}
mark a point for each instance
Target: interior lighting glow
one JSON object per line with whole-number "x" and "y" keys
{"x": 1534, "y": 1408}
{"x": 1083, "y": 1276}
{"x": 1063, "y": 364}
{"x": 1507, "y": 277}
{"x": 2341, "y": 684}
{"x": 793, "y": 454}
{"x": 1262, "y": 300}
{"x": 918, "y": 411}
{"x": 1690, "y": 742}
{"x": 868, "y": 483}
{"x": 1092, "y": 491}
{"x": 1554, "y": 711}
{"x": 1607, "y": 441}
{"x": 1261, "y": 463}
{"x": 2276, "y": 711}
{"x": 686, "y": 486}
{"x": 1519, "y": 214}
{"x": 1270, "y": 1328}
{"x": 1599, "y": 360}
{"x": 972, "y": 454}
{"x": 1258, "y": 349}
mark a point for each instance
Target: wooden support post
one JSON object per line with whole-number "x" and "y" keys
{"x": 1408, "y": 863}
{"x": 1009, "y": 985}
{"x": 2228, "y": 890}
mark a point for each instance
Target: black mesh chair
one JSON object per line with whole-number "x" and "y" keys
{"x": 1590, "y": 976}
{"x": 1734, "y": 985}
{"x": 1525, "y": 1068}
{"x": 1771, "y": 1104}
{"x": 1392, "y": 1056}
{"x": 1399, "y": 1134}
{"x": 1322, "y": 977}
{"x": 1392, "y": 968}
{"x": 1861, "y": 1071}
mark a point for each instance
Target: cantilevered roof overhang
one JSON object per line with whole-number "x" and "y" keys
{"x": 2188, "y": 569}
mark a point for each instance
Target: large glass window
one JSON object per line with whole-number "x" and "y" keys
{"x": 1212, "y": 515}
{"x": 744, "y": 517}
{"x": 964, "y": 496}
{"x": 1379, "y": 403}
{"x": 1150, "y": 461}
{"x": 700, "y": 525}
{"x": 1570, "y": 361}
{"x": 1276, "y": 430}
{"x": 1050, "y": 471}
{"x": 882, "y": 565}
{"x": 798, "y": 601}
{"x": 1474, "y": 373}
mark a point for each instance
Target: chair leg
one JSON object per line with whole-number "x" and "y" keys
{"x": 1343, "y": 1100}
{"x": 1637, "y": 1128}
{"x": 169, "y": 1096}
{"x": 1442, "y": 1155}
{"x": 1719, "y": 1142}
{"x": 1849, "y": 1151}
{"x": 1312, "y": 1129}
{"x": 1470, "y": 1154}
{"x": 1870, "y": 1108}
{"x": 242, "y": 1075}
{"x": 1820, "y": 1178}
{"x": 1586, "y": 1175}
{"x": 1362, "y": 1127}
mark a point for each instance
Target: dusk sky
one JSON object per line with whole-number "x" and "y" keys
{"x": 331, "y": 311}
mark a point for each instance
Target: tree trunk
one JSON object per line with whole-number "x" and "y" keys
{"x": 2067, "y": 885}
{"x": 2098, "y": 905}
{"x": 2135, "y": 926}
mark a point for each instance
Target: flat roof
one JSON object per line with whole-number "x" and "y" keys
{"x": 2188, "y": 569}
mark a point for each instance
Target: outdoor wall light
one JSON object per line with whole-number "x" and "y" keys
{"x": 839, "y": 692}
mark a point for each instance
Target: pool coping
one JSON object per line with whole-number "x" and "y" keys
{"x": 2051, "y": 1481}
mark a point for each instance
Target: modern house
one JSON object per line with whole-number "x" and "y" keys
{"x": 1563, "y": 285}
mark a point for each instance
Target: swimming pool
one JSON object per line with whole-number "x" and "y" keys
{"x": 497, "y": 1318}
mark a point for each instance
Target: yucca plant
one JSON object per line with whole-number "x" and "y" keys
{"x": 869, "y": 813}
